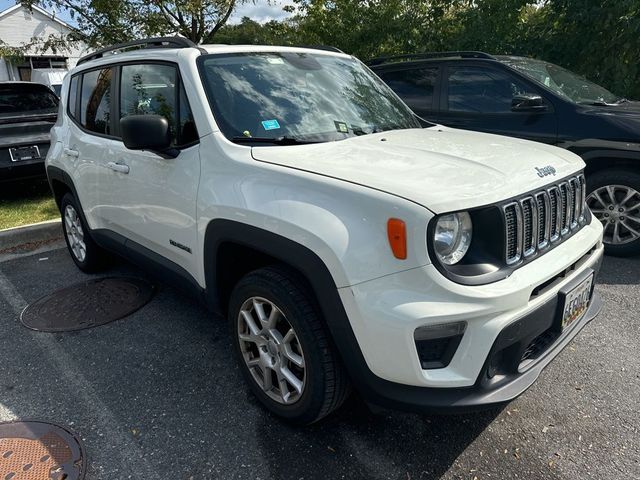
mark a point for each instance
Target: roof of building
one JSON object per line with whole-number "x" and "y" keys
{"x": 35, "y": 8}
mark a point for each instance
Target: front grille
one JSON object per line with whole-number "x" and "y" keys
{"x": 529, "y": 225}
{"x": 535, "y": 221}
{"x": 513, "y": 223}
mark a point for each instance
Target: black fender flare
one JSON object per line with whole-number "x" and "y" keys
{"x": 59, "y": 175}
{"x": 303, "y": 260}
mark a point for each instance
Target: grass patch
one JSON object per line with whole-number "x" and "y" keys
{"x": 22, "y": 203}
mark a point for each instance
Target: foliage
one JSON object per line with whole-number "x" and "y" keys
{"x": 106, "y": 22}
{"x": 598, "y": 38}
{"x": 250, "y": 32}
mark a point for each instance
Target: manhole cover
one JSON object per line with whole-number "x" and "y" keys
{"x": 39, "y": 451}
{"x": 87, "y": 305}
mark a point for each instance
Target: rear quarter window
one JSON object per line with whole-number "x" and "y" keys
{"x": 414, "y": 86}
{"x": 73, "y": 95}
{"x": 95, "y": 102}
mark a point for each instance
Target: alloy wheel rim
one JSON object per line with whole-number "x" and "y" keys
{"x": 618, "y": 208}
{"x": 75, "y": 233}
{"x": 271, "y": 350}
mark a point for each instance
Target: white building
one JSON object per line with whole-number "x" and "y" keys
{"x": 18, "y": 26}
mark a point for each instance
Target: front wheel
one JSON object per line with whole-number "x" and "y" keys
{"x": 283, "y": 347}
{"x": 614, "y": 198}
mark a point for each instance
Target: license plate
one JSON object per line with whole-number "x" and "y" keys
{"x": 19, "y": 154}
{"x": 576, "y": 302}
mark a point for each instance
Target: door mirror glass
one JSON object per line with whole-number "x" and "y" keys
{"x": 147, "y": 132}
{"x": 528, "y": 102}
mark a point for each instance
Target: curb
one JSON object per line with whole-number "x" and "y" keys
{"x": 36, "y": 232}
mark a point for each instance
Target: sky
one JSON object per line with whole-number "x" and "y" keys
{"x": 260, "y": 10}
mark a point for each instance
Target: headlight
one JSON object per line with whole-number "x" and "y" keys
{"x": 452, "y": 237}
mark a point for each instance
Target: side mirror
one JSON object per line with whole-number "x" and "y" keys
{"x": 148, "y": 132}
{"x": 528, "y": 102}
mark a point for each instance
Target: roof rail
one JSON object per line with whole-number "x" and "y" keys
{"x": 419, "y": 56}
{"x": 156, "y": 42}
{"x": 327, "y": 48}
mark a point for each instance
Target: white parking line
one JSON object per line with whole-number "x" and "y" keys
{"x": 82, "y": 388}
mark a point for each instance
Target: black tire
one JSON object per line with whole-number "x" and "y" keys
{"x": 95, "y": 258}
{"x": 627, "y": 179}
{"x": 326, "y": 384}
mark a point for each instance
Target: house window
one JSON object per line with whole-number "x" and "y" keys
{"x": 45, "y": 62}
{"x": 59, "y": 63}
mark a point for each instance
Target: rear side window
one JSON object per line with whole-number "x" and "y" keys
{"x": 73, "y": 94}
{"x": 154, "y": 89}
{"x": 416, "y": 87}
{"x": 95, "y": 104}
{"x": 28, "y": 99}
{"x": 482, "y": 90}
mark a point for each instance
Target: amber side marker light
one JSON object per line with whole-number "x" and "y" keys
{"x": 397, "y": 233}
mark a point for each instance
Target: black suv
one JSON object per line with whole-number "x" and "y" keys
{"x": 535, "y": 100}
{"x": 27, "y": 113}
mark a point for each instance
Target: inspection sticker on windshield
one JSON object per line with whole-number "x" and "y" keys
{"x": 270, "y": 125}
{"x": 342, "y": 127}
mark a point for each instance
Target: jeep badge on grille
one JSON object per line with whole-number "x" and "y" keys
{"x": 545, "y": 171}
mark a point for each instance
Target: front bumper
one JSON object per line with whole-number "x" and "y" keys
{"x": 503, "y": 321}
{"x": 486, "y": 392}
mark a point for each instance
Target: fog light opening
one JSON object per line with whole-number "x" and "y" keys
{"x": 437, "y": 344}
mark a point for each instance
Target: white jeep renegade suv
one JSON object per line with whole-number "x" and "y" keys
{"x": 347, "y": 242}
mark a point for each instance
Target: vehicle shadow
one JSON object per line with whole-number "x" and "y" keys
{"x": 620, "y": 271}
{"x": 357, "y": 444}
{"x": 165, "y": 378}
{"x": 22, "y": 189}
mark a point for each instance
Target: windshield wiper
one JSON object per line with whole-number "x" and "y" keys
{"x": 359, "y": 131}
{"x": 284, "y": 140}
{"x": 622, "y": 100}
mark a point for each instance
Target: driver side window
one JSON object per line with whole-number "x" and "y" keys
{"x": 482, "y": 90}
{"x": 155, "y": 89}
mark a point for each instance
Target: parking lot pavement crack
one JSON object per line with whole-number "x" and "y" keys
{"x": 85, "y": 393}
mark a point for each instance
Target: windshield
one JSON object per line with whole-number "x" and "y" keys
{"x": 302, "y": 97}
{"x": 26, "y": 98}
{"x": 562, "y": 81}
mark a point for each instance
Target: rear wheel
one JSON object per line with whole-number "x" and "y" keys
{"x": 86, "y": 254}
{"x": 283, "y": 347}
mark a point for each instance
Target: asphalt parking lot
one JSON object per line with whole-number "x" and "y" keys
{"x": 158, "y": 395}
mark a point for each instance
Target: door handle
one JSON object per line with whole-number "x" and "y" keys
{"x": 71, "y": 153}
{"x": 118, "y": 167}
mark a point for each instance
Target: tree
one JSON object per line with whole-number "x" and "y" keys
{"x": 363, "y": 28}
{"x": 597, "y": 38}
{"x": 250, "y": 32}
{"x": 106, "y": 22}
{"x": 600, "y": 39}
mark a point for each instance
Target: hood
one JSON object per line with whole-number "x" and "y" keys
{"x": 628, "y": 108}
{"x": 440, "y": 168}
